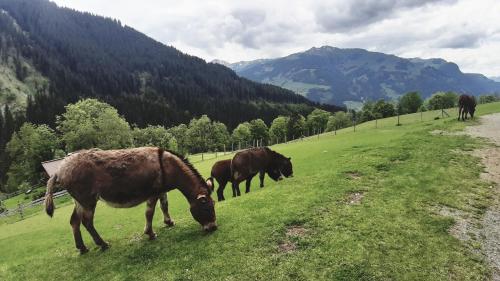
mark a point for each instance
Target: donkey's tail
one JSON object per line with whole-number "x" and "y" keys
{"x": 49, "y": 201}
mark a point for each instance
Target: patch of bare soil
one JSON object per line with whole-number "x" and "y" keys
{"x": 353, "y": 175}
{"x": 292, "y": 233}
{"x": 287, "y": 247}
{"x": 355, "y": 198}
{"x": 296, "y": 231}
{"x": 490, "y": 158}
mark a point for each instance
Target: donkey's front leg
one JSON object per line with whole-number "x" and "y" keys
{"x": 262, "y": 174}
{"x": 164, "y": 208}
{"x": 150, "y": 211}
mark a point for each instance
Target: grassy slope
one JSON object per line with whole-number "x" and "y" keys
{"x": 393, "y": 234}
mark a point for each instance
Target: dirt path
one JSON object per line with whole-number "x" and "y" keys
{"x": 490, "y": 129}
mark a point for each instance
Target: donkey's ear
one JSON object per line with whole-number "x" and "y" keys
{"x": 210, "y": 185}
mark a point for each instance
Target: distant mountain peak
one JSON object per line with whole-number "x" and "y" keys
{"x": 222, "y": 62}
{"x": 495, "y": 78}
{"x": 350, "y": 76}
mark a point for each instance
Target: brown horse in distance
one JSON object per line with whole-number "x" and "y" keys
{"x": 221, "y": 172}
{"x": 125, "y": 178}
{"x": 466, "y": 104}
{"x": 246, "y": 164}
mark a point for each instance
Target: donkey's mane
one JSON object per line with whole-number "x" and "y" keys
{"x": 276, "y": 154}
{"x": 190, "y": 166}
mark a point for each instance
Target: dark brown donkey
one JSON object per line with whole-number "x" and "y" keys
{"x": 221, "y": 172}
{"x": 125, "y": 178}
{"x": 466, "y": 104}
{"x": 246, "y": 164}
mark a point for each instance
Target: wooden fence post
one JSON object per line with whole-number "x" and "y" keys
{"x": 20, "y": 208}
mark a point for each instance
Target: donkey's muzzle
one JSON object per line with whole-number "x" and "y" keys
{"x": 210, "y": 227}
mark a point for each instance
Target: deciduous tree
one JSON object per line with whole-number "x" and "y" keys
{"x": 90, "y": 123}
{"x": 28, "y": 147}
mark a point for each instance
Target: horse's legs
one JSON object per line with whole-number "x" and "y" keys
{"x": 459, "y": 112}
{"x": 75, "y": 222}
{"x": 236, "y": 188}
{"x": 88, "y": 221}
{"x": 150, "y": 211}
{"x": 164, "y": 208}
{"x": 220, "y": 190}
{"x": 262, "y": 174}
{"x": 248, "y": 183}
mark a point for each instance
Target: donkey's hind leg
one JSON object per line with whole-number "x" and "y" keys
{"x": 88, "y": 222}
{"x": 164, "y": 208}
{"x": 220, "y": 190}
{"x": 150, "y": 212}
{"x": 236, "y": 188}
{"x": 75, "y": 222}
{"x": 248, "y": 183}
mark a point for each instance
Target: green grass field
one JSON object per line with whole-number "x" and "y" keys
{"x": 402, "y": 172}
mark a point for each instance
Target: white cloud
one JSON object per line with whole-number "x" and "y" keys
{"x": 463, "y": 31}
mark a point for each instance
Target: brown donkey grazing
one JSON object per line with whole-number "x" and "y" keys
{"x": 221, "y": 172}
{"x": 246, "y": 164}
{"x": 125, "y": 178}
{"x": 466, "y": 104}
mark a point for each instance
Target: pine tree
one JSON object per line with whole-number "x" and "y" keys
{"x": 1, "y": 132}
{"x": 8, "y": 127}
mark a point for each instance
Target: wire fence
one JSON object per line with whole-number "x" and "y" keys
{"x": 20, "y": 209}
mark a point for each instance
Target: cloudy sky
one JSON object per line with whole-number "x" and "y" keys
{"x": 463, "y": 31}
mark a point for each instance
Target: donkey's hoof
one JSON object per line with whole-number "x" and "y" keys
{"x": 169, "y": 223}
{"x": 83, "y": 251}
{"x": 151, "y": 235}
{"x": 104, "y": 247}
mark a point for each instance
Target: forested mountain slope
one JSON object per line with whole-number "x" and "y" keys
{"x": 58, "y": 55}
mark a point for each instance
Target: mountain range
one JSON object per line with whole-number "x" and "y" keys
{"x": 351, "y": 76}
{"x": 51, "y": 56}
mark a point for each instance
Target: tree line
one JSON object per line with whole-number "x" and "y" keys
{"x": 91, "y": 123}
{"x": 413, "y": 102}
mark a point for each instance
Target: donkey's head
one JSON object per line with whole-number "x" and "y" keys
{"x": 202, "y": 209}
{"x": 280, "y": 167}
{"x": 472, "y": 108}
{"x": 286, "y": 167}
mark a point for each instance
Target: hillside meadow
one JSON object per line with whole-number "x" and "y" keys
{"x": 361, "y": 206}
